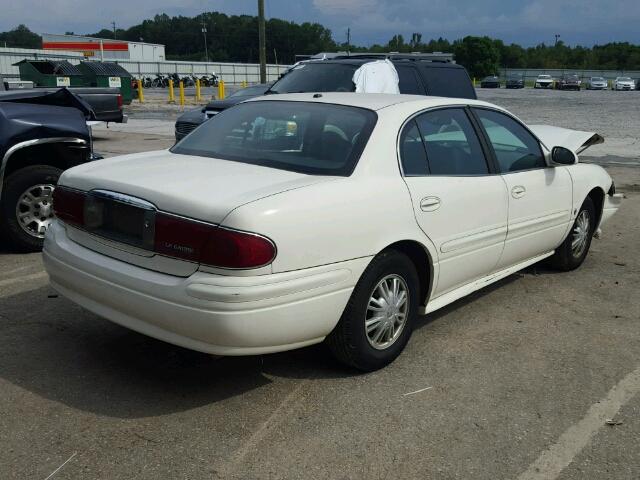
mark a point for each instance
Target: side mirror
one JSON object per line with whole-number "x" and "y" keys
{"x": 563, "y": 156}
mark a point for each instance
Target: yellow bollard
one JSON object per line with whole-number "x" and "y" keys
{"x": 198, "y": 95}
{"x": 140, "y": 92}
{"x": 172, "y": 95}
{"x": 181, "y": 88}
{"x": 474, "y": 81}
{"x": 221, "y": 90}
{"x": 244, "y": 84}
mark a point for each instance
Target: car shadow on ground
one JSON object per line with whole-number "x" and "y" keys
{"x": 64, "y": 353}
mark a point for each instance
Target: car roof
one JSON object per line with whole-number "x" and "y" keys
{"x": 370, "y": 101}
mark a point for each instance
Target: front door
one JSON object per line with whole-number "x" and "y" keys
{"x": 540, "y": 197}
{"x": 459, "y": 205}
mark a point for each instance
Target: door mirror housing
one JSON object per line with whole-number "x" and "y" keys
{"x": 563, "y": 156}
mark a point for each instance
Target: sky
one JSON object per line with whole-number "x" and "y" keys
{"x": 527, "y": 22}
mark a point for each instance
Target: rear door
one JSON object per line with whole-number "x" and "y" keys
{"x": 540, "y": 196}
{"x": 458, "y": 203}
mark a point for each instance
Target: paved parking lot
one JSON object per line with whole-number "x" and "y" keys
{"x": 515, "y": 382}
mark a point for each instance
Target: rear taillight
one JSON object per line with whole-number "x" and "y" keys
{"x": 68, "y": 205}
{"x": 184, "y": 238}
{"x": 210, "y": 244}
{"x": 119, "y": 101}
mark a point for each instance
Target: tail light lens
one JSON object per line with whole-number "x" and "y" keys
{"x": 68, "y": 205}
{"x": 184, "y": 238}
{"x": 119, "y": 101}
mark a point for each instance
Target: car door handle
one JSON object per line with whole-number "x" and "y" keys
{"x": 518, "y": 191}
{"x": 429, "y": 204}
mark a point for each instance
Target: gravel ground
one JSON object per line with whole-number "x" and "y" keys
{"x": 516, "y": 381}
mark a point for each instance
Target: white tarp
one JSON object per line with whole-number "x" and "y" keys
{"x": 379, "y": 76}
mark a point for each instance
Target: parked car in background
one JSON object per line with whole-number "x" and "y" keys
{"x": 569, "y": 81}
{"x": 543, "y": 81}
{"x": 514, "y": 80}
{"x": 417, "y": 75}
{"x": 288, "y": 220}
{"x": 623, "y": 83}
{"x": 189, "y": 120}
{"x": 597, "y": 83}
{"x": 40, "y": 136}
{"x": 491, "y": 81}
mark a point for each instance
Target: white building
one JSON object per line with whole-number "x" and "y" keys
{"x": 103, "y": 48}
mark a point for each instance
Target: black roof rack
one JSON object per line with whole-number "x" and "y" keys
{"x": 430, "y": 57}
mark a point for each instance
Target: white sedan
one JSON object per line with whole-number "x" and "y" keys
{"x": 624, "y": 83}
{"x": 294, "y": 219}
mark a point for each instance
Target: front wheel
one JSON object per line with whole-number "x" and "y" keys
{"x": 26, "y": 209}
{"x": 574, "y": 249}
{"x": 377, "y": 322}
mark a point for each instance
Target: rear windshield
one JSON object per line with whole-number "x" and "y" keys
{"x": 311, "y": 138}
{"x": 317, "y": 77}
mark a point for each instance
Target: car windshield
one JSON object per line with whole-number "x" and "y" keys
{"x": 544, "y": 77}
{"x": 250, "y": 91}
{"x": 311, "y": 138}
{"x": 597, "y": 79}
{"x": 317, "y": 77}
{"x": 624, "y": 79}
{"x": 515, "y": 76}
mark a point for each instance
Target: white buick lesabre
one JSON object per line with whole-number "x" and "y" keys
{"x": 293, "y": 219}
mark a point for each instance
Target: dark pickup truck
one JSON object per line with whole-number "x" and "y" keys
{"x": 40, "y": 136}
{"x": 106, "y": 103}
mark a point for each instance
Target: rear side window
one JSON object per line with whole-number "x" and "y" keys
{"x": 514, "y": 146}
{"x": 412, "y": 153}
{"x": 451, "y": 143}
{"x": 408, "y": 81}
{"x": 448, "y": 82}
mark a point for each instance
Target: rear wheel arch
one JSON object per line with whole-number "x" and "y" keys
{"x": 422, "y": 261}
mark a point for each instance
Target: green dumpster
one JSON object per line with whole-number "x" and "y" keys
{"x": 107, "y": 74}
{"x": 50, "y": 73}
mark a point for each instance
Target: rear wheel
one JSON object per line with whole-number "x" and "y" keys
{"x": 26, "y": 209}
{"x": 574, "y": 249}
{"x": 377, "y": 322}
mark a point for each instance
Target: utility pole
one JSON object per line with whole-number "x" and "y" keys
{"x": 114, "y": 29}
{"x": 204, "y": 34}
{"x": 262, "y": 42}
{"x": 557, "y": 38}
{"x": 348, "y": 40}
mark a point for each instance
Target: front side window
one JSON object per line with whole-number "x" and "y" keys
{"x": 311, "y": 138}
{"x": 515, "y": 148}
{"x": 408, "y": 81}
{"x": 451, "y": 143}
{"x": 318, "y": 76}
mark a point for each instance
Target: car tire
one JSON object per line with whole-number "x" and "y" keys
{"x": 28, "y": 179}
{"x": 567, "y": 256}
{"x": 349, "y": 341}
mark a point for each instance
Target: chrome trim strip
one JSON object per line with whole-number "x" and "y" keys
{"x": 29, "y": 143}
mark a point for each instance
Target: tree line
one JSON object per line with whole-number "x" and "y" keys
{"x": 234, "y": 38}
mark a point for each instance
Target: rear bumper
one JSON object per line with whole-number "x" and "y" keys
{"x": 224, "y": 315}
